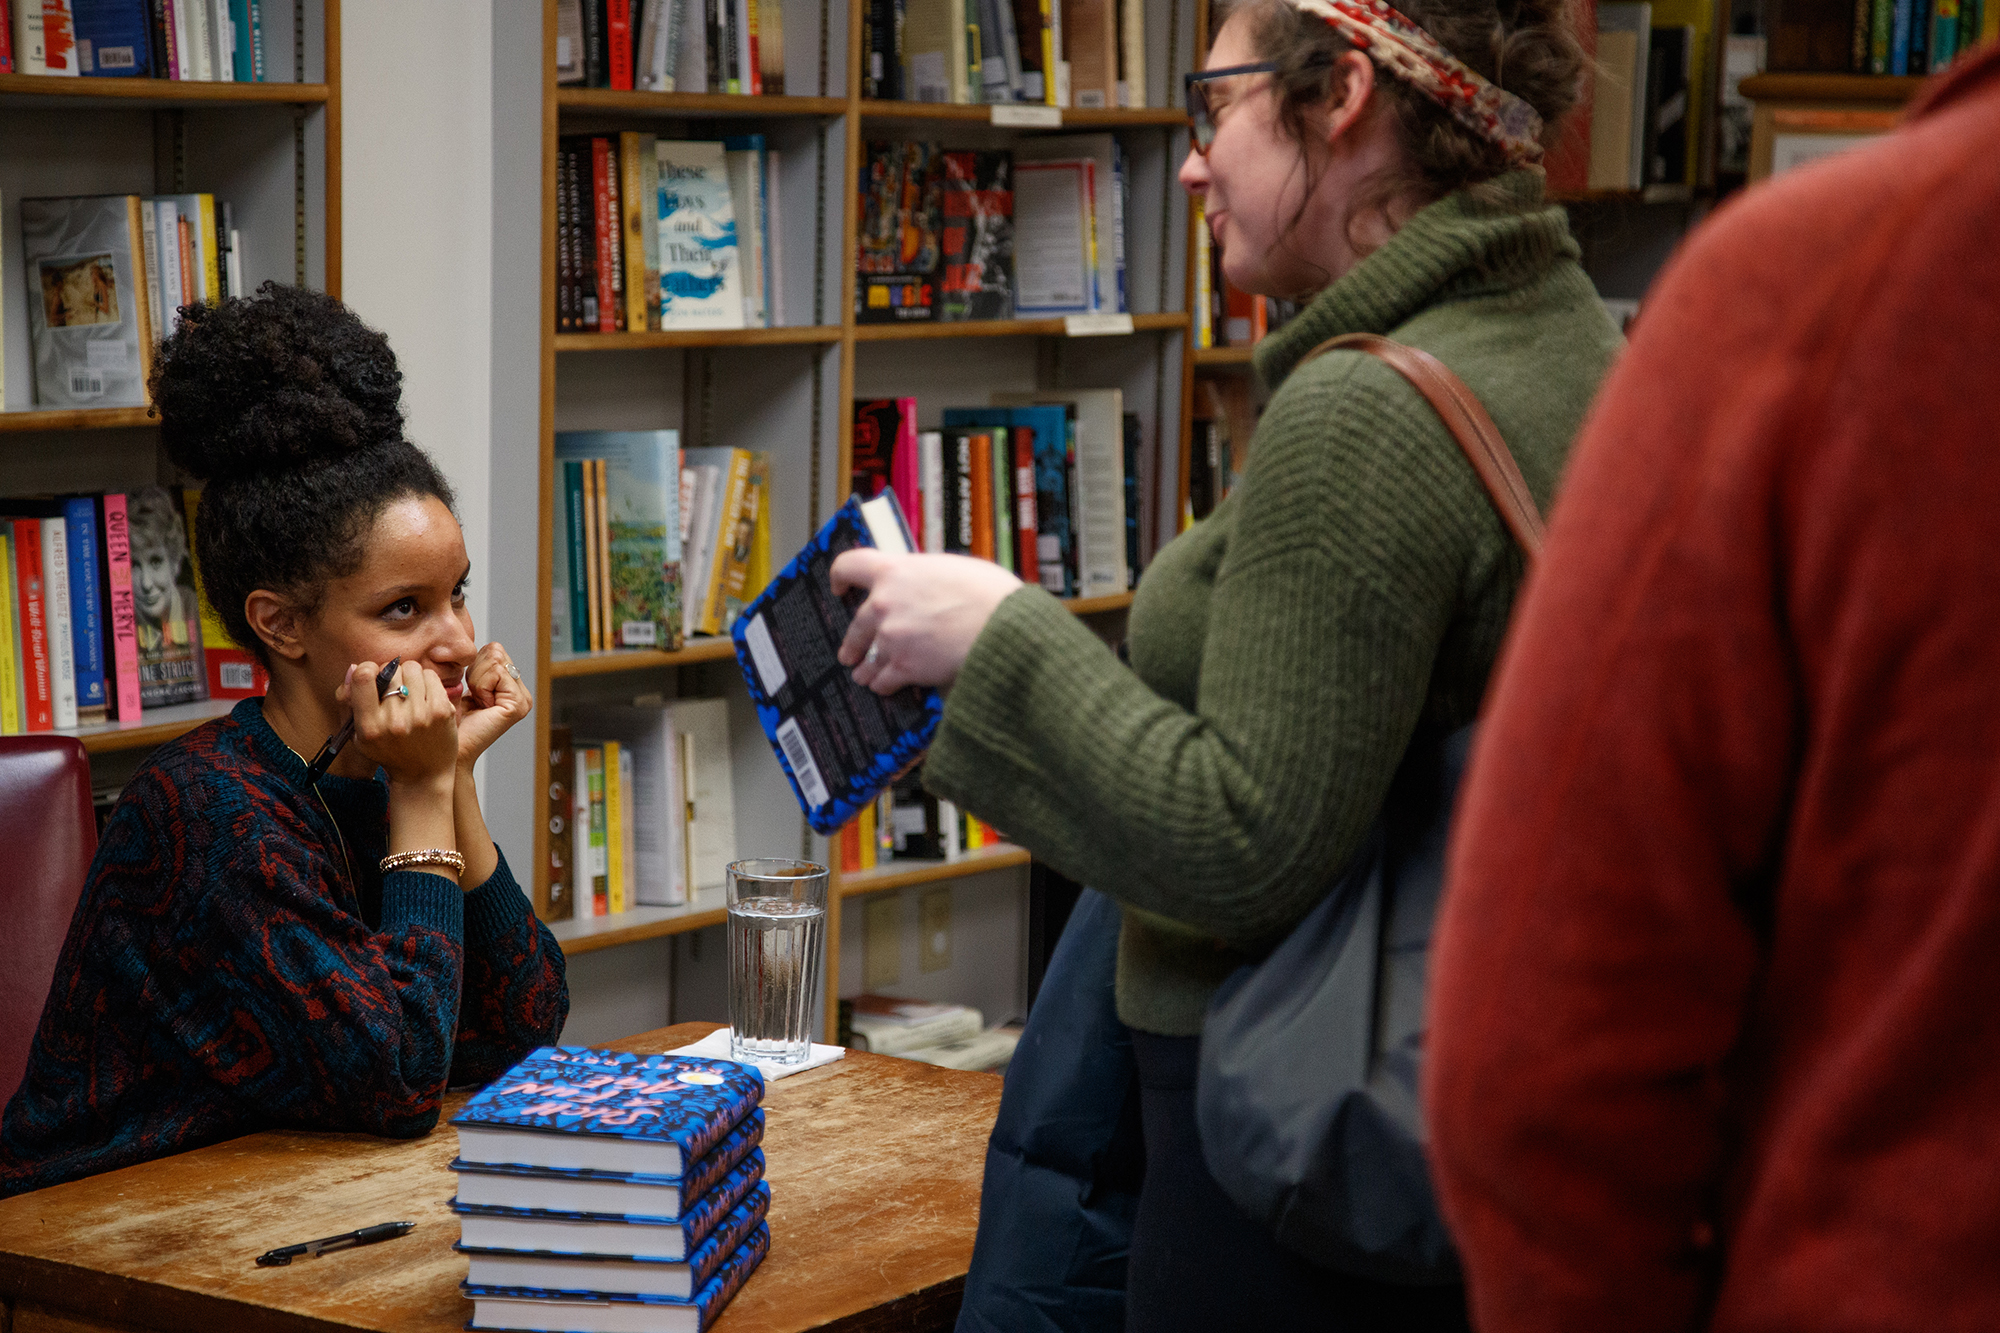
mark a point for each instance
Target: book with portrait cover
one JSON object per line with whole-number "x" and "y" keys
{"x": 88, "y": 322}
{"x": 508, "y": 1309}
{"x": 637, "y": 1235}
{"x": 840, "y": 743}
{"x": 531, "y": 1273}
{"x": 572, "y": 1108}
{"x": 173, "y": 668}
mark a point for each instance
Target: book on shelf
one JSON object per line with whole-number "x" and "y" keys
{"x": 557, "y": 902}
{"x": 88, "y": 322}
{"x": 1055, "y": 269}
{"x": 617, "y": 815}
{"x": 1618, "y": 106}
{"x": 613, "y": 1313}
{"x": 658, "y": 866}
{"x": 700, "y": 276}
{"x": 977, "y": 281}
{"x": 839, "y": 743}
{"x": 889, "y": 1025}
{"x": 492, "y": 1271}
{"x": 555, "y": 1231}
{"x": 901, "y": 223}
{"x": 232, "y": 672}
{"x": 617, "y": 581}
{"x": 982, "y": 1052}
{"x": 593, "y": 830}
{"x": 208, "y": 40}
{"x": 1096, "y": 492}
{"x": 1106, "y": 210}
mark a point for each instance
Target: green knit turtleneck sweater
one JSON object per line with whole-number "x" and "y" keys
{"x": 1354, "y": 586}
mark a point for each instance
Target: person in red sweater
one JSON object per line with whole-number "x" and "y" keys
{"x": 1716, "y": 997}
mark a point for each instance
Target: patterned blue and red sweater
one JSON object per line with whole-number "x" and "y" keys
{"x": 238, "y": 963}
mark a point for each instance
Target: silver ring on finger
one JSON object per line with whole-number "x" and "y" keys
{"x": 400, "y": 692}
{"x": 874, "y": 657}
{"x": 513, "y": 671}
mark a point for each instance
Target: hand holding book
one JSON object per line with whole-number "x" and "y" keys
{"x": 922, "y": 614}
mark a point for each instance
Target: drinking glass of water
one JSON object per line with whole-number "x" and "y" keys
{"x": 777, "y": 925}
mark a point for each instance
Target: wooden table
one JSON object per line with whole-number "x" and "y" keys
{"x": 874, "y": 1166}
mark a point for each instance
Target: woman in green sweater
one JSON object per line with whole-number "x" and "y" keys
{"x": 1348, "y": 595}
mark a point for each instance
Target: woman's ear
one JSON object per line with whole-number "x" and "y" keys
{"x": 273, "y": 620}
{"x": 1352, "y": 82}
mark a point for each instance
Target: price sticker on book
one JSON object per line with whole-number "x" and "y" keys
{"x": 1027, "y": 116}
{"x": 1096, "y": 326}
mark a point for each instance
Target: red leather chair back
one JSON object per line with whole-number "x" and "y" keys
{"x": 47, "y": 837}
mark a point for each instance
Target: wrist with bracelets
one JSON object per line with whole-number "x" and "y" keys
{"x": 430, "y": 856}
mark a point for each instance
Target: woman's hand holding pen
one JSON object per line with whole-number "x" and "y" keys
{"x": 495, "y": 699}
{"x": 921, "y": 616}
{"x": 411, "y": 731}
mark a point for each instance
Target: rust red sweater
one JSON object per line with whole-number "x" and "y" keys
{"x": 1716, "y": 1024}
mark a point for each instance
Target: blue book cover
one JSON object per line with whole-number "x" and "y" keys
{"x": 86, "y": 599}
{"x": 1899, "y": 37}
{"x": 526, "y": 1273}
{"x": 569, "y": 1107}
{"x": 839, "y": 743}
{"x": 558, "y": 1231}
{"x": 117, "y": 36}
{"x": 507, "y": 1308}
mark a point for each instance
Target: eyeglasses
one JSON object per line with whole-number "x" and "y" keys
{"x": 1201, "y": 117}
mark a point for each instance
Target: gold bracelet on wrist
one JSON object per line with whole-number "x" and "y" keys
{"x": 432, "y": 856}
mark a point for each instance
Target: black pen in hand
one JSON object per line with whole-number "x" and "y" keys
{"x": 284, "y": 1254}
{"x": 338, "y": 741}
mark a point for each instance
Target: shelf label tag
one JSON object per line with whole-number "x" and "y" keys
{"x": 1096, "y": 326}
{"x": 1027, "y": 116}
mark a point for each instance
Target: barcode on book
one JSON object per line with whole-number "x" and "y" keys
{"x": 86, "y": 385}
{"x": 115, "y": 57}
{"x": 638, "y": 634}
{"x": 799, "y": 756}
{"x": 770, "y": 666}
{"x": 237, "y": 675}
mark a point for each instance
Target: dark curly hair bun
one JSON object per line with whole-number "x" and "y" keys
{"x": 289, "y": 407}
{"x": 284, "y": 380}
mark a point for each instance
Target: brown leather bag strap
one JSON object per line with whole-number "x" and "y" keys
{"x": 1465, "y": 417}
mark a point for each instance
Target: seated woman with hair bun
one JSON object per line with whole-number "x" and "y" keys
{"x": 254, "y": 949}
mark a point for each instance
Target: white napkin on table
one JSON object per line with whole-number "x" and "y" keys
{"x": 715, "y": 1046}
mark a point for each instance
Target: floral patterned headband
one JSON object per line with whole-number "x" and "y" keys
{"x": 1399, "y": 46}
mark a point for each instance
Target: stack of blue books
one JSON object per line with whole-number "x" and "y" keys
{"x": 603, "y": 1192}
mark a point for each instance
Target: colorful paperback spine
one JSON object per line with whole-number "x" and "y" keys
{"x": 62, "y": 643}
{"x": 575, "y": 528}
{"x": 120, "y": 612}
{"x": 582, "y": 895}
{"x": 633, "y": 148}
{"x": 616, "y": 765}
{"x": 85, "y": 598}
{"x": 37, "y": 687}
{"x": 12, "y": 722}
{"x": 600, "y": 851}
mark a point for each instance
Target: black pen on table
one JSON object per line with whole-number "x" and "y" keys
{"x": 284, "y": 1254}
{"x": 338, "y": 741}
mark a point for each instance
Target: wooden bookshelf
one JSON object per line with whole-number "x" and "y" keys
{"x": 591, "y": 933}
{"x": 624, "y": 102}
{"x": 715, "y": 649}
{"x": 156, "y": 726}
{"x": 908, "y": 874}
{"x": 1005, "y": 328}
{"x": 1888, "y": 89}
{"x": 1223, "y": 357}
{"x": 1821, "y": 104}
{"x": 88, "y": 165}
{"x": 695, "y": 380}
{"x": 27, "y": 89}
{"x": 102, "y": 418}
{"x": 778, "y": 337}
{"x": 1072, "y": 118}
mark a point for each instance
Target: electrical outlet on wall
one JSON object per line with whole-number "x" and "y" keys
{"x": 882, "y": 941}
{"x": 934, "y": 925}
